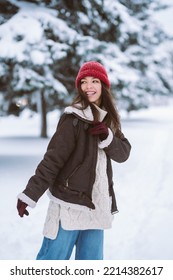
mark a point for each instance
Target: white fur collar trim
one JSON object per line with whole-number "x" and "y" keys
{"x": 85, "y": 114}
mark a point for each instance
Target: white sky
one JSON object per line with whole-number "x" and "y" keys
{"x": 165, "y": 17}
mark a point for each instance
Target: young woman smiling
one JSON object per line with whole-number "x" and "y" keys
{"x": 76, "y": 171}
{"x": 92, "y": 87}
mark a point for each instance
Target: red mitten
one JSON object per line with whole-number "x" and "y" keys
{"x": 99, "y": 129}
{"x": 21, "y": 207}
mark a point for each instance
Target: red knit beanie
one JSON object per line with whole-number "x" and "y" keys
{"x": 93, "y": 69}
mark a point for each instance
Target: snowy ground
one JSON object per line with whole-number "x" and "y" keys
{"x": 142, "y": 229}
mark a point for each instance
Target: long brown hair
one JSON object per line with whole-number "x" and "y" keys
{"x": 112, "y": 119}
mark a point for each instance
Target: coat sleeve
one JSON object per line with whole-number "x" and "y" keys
{"x": 59, "y": 150}
{"x": 117, "y": 148}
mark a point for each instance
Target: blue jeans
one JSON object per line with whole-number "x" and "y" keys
{"x": 89, "y": 245}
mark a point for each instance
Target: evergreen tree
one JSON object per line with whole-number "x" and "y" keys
{"x": 49, "y": 40}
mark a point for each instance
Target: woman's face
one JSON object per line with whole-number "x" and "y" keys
{"x": 92, "y": 87}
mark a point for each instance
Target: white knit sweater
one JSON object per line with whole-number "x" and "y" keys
{"x": 76, "y": 217}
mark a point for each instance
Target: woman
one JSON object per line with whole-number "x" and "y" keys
{"x": 76, "y": 170}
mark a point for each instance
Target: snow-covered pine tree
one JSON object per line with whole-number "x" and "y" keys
{"x": 27, "y": 55}
{"x": 146, "y": 51}
{"x": 45, "y": 41}
{"x": 124, "y": 36}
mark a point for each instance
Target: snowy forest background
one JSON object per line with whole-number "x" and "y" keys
{"x": 42, "y": 46}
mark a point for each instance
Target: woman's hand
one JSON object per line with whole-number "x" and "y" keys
{"x": 21, "y": 207}
{"x": 100, "y": 129}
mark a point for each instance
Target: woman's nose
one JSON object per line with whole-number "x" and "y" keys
{"x": 89, "y": 85}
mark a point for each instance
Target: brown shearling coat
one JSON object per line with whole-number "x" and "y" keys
{"x": 68, "y": 166}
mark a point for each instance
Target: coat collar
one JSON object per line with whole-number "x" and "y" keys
{"x": 85, "y": 114}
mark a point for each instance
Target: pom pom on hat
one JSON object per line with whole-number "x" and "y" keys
{"x": 92, "y": 69}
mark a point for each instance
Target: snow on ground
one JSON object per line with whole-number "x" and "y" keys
{"x": 143, "y": 227}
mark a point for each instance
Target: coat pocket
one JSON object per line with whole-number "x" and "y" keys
{"x": 72, "y": 173}
{"x": 74, "y": 196}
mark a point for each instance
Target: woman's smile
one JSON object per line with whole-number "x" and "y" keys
{"x": 92, "y": 87}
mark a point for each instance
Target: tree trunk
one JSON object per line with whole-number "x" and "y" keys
{"x": 43, "y": 114}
